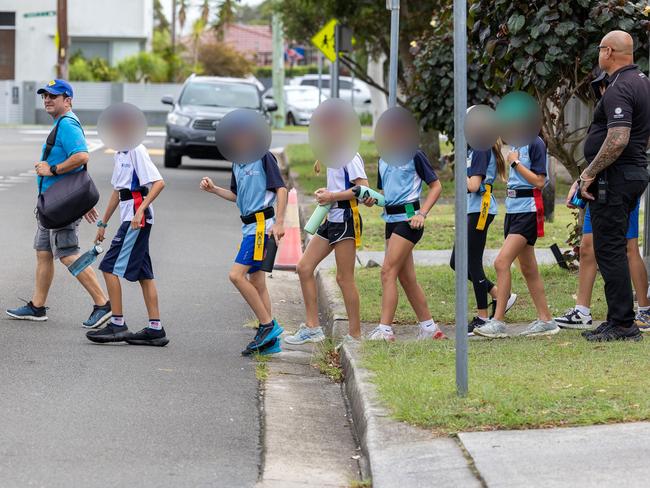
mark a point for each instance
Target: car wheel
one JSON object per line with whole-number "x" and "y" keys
{"x": 172, "y": 159}
{"x": 290, "y": 119}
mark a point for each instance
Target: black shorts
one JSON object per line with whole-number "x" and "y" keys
{"x": 334, "y": 232}
{"x": 524, "y": 224}
{"x": 404, "y": 230}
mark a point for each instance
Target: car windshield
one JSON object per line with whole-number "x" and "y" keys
{"x": 216, "y": 94}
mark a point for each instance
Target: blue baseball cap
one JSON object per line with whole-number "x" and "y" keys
{"x": 57, "y": 87}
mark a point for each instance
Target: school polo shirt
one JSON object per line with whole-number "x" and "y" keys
{"x": 340, "y": 179}
{"x": 484, "y": 164}
{"x": 532, "y": 157}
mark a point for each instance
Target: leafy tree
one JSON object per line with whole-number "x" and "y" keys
{"x": 95, "y": 69}
{"x": 220, "y": 59}
{"x": 147, "y": 67}
{"x": 160, "y": 20}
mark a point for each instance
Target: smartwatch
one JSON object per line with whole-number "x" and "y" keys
{"x": 515, "y": 163}
{"x": 53, "y": 170}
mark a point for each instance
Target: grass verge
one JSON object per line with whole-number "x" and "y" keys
{"x": 561, "y": 380}
{"x": 438, "y": 283}
{"x": 327, "y": 360}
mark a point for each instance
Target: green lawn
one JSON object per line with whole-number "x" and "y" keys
{"x": 518, "y": 383}
{"x": 439, "y": 286}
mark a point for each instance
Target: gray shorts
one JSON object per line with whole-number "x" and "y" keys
{"x": 61, "y": 242}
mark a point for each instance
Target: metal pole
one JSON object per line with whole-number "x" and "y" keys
{"x": 320, "y": 76}
{"x": 460, "y": 148}
{"x": 173, "y": 41}
{"x": 278, "y": 71}
{"x": 393, "y": 5}
{"x": 334, "y": 79}
{"x": 62, "y": 30}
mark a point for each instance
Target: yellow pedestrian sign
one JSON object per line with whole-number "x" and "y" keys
{"x": 324, "y": 40}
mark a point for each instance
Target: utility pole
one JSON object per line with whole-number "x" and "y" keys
{"x": 278, "y": 70}
{"x": 460, "y": 174}
{"x": 393, "y": 6}
{"x": 334, "y": 79}
{"x": 173, "y": 41}
{"x": 62, "y": 34}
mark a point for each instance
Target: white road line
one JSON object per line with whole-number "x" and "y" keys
{"x": 91, "y": 132}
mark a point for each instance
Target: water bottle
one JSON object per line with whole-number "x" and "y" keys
{"x": 577, "y": 200}
{"x": 317, "y": 218}
{"x": 270, "y": 251}
{"x": 362, "y": 192}
{"x": 85, "y": 260}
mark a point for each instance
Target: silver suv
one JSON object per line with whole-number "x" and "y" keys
{"x": 203, "y": 102}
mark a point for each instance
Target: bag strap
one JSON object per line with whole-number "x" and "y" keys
{"x": 49, "y": 145}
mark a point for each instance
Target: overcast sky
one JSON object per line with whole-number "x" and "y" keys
{"x": 194, "y": 10}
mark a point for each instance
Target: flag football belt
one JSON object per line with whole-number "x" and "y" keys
{"x": 352, "y": 205}
{"x": 259, "y": 219}
{"x": 485, "y": 207}
{"x": 408, "y": 208}
{"x": 138, "y": 195}
{"x": 539, "y": 204}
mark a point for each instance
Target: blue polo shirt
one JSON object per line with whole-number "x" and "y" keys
{"x": 70, "y": 139}
{"x": 532, "y": 157}
{"x": 481, "y": 163}
{"x": 255, "y": 185}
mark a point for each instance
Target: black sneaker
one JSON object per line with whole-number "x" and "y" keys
{"x": 476, "y": 322}
{"x": 598, "y": 330}
{"x": 110, "y": 333}
{"x": 617, "y": 333}
{"x": 272, "y": 347}
{"x": 147, "y": 337}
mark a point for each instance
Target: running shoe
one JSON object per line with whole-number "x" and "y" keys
{"x": 494, "y": 329}
{"x": 272, "y": 347}
{"x": 643, "y": 320}
{"x": 99, "y": 316}
{"x": 28, "y": 312}
{"x": 379, "y": 334}
{"x": 598, "y": 330}
{"x": 110, "y": 333}
{"x": 509, "y": 305}
{"x": 265, "y": 334}
{"x": 476, "y": 322}
{"x": 617, "y": 333}
{"x": 574, "y": 319}
{"x": 540, "y": 328}
{"x": 430, "y": 333}
{"x": 147, "y": 337}
{"x": 305, "y": 334}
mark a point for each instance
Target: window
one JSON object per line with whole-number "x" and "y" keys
{"x": 7, "y": 19}
{"x": 215, "y": 94}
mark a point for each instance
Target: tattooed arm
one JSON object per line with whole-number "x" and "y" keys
{"x": 615, "y": 143}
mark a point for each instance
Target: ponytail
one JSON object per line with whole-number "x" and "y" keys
{"x": 501, "y": 162}
{"x": 317, "y": 167}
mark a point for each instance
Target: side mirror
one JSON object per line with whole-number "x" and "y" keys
{"x": 167, "y": 100}
{"x": 270, "y": 105}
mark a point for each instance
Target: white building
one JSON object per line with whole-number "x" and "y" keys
{"x": 111, "y": 29}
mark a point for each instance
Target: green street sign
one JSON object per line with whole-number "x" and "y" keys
{"x": 46, "y": 13}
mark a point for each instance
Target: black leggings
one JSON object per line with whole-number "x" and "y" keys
{"x": 475, "y": 247}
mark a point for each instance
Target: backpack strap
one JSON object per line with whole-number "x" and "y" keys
{"x": 49, "y": 145}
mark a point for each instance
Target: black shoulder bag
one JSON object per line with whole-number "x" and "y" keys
{"x": 68, "y": 198}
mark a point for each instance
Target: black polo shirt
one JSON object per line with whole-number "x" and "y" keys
{"x": 626, "y": 103}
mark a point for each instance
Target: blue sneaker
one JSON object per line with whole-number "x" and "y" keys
{"x": 99, "y": 316}
{"x": 305, "y": 334}
{"x": 272, "y": 347}
{"x": 28, "y": 312}
{"x": 264, "y": 336}
{"x": 642, "y": 320}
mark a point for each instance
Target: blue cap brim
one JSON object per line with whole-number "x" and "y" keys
{"x": 51, "y": 90}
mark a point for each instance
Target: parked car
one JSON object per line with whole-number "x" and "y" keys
{"x": 299, "y": 103}
{"x": 361, "y": 91}
{"x": 203, "y": 102}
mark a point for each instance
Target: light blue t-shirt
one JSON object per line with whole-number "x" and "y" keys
{"x": 403, "y": 184}
{"x": 70, "y": 139}
{"x": 534, "y": 158}
{"x": 255, "y": 185}
{"x": 481, "y": 163}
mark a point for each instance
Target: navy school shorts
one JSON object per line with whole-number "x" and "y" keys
{"x": 128, "y": 256}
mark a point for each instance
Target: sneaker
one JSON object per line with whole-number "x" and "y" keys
{"x": 379, "y": 334}
{"x": 264, "y": 335}
{"x": 476, "y": 322}
{"x": 305, "y": 334}
{"x": 110, "y": 333}
{"x": 28, "y": 312}
{"x": 574, "y": 319}
{"x": 617, "y": 333}
{"x": 494, "y": 329}
{"x": 99, "y": 316}
{"x": 598, "y": 330}
{"x": 271, "y": 347}
{"x": 540, "y": 328}
{"x": 509, "y": 305}
{"x": 642, "y": 320}
{"x": 426, "y": 334}
{"x": 147, "y": 337}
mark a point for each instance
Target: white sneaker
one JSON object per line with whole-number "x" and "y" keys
{"x": 540, "y": 328}
{"x": 427, "y": 333}
{"x": 305, "y": 334}
{"x": 380, "y": 334}
{"x": 509, "y": 304}
{"x": 575, "y": 319}
{"x": 494, "y": 329}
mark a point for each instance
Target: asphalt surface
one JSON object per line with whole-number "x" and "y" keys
{"x": 75, "y": 413}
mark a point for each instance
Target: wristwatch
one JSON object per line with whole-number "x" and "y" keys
{"x": 53, "y": 170}
{"x": 515, "y": 163}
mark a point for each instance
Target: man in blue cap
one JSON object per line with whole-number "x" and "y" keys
{"x": 68, "y": 155}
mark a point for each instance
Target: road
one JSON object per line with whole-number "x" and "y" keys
{"x": 81, "y": 414}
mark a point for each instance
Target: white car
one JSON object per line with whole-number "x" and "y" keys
{"x": 361, "y": 91}
{"x": 299, "y": 103}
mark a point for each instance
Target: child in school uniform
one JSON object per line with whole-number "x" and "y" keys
{"x": 136, "y": 184}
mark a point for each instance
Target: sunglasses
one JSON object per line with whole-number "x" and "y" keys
{"x": 49, "y": 96}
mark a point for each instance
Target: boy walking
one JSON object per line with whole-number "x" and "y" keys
{"x": 136, "y": 184}
{"x": 255, "y": 187}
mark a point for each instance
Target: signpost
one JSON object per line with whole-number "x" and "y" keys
{"x": 278, "y": 70}
{"x": 393, "y": 6}
{"x": 460, "y": 175}
{"x": 326, "y": 40}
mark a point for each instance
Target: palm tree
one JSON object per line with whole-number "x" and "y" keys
{"x": 226, "y": 14}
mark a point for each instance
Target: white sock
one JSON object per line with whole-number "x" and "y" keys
{"x": 583, "y": 310}
{"x": 643, "y": 309}
{"x": 386, "y": 328}
{"x": 118, "y": 320}
{"x": 484, "y": 319}
{"x": 155, "y": 324}
{"x": 428, "y": 324}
